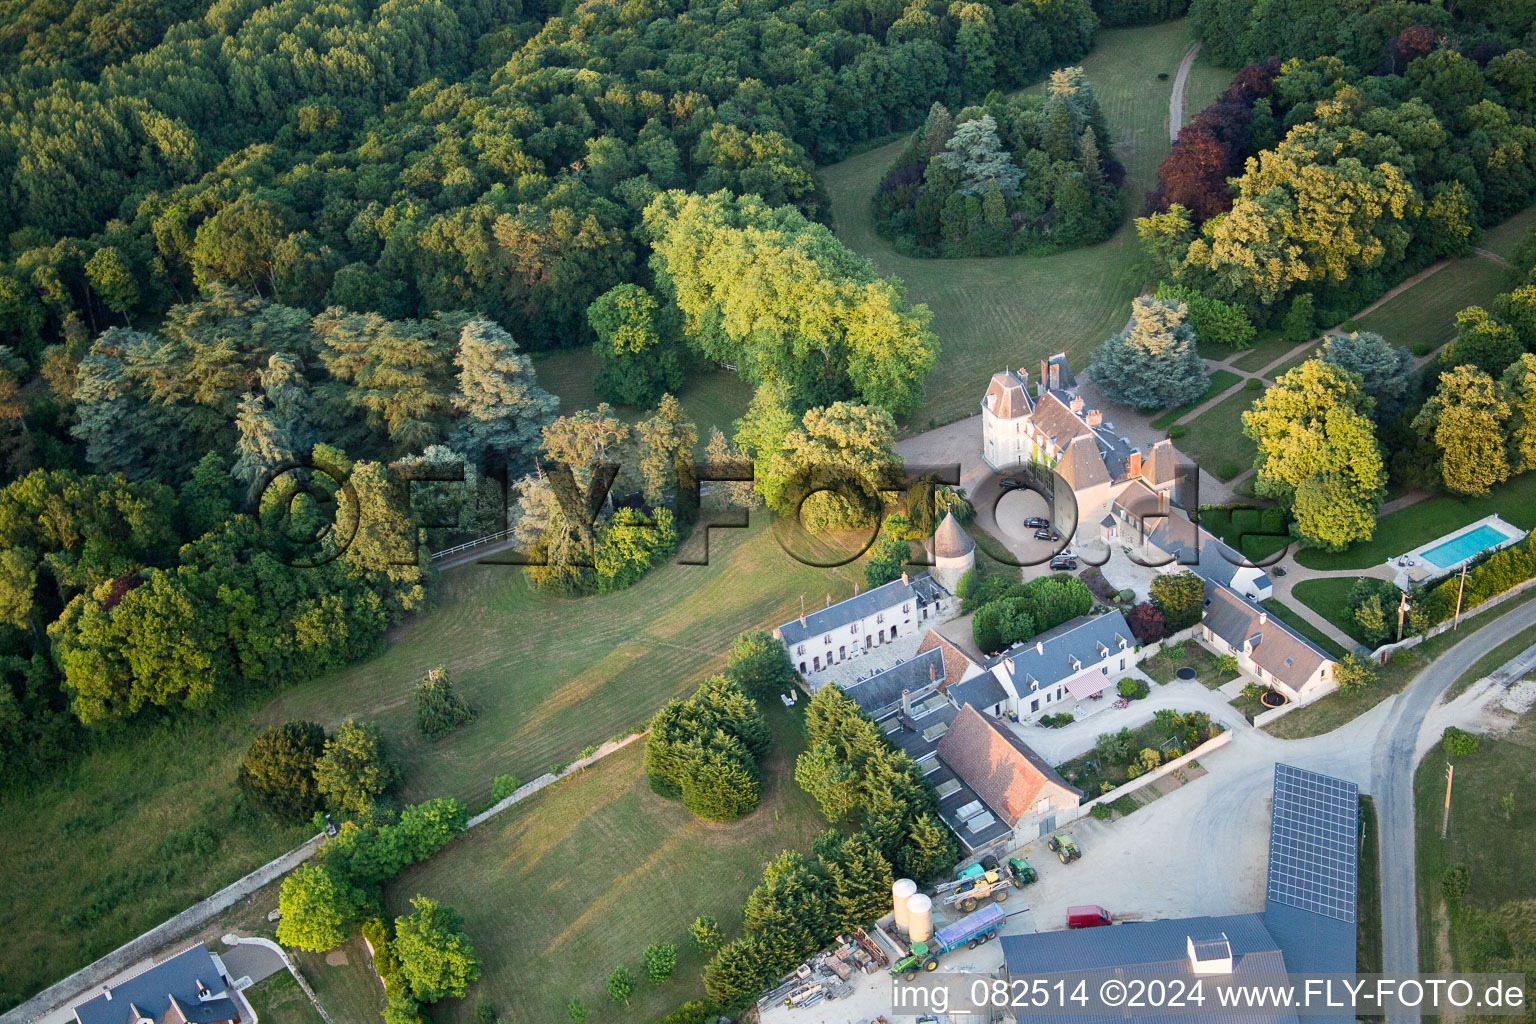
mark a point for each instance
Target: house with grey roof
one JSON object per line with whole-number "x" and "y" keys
{"x": 1147, "y": 523}
{"x": 1307, "y": 925}
{"x": 881, "y": 692}
{"x": 189, "y": 988}
{"x": 864, "y": 624}
{"x": 1265, "y": 647}
{"x": 1049, "y": 672}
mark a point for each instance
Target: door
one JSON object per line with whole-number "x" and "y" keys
{"x": 1048, "y": 825}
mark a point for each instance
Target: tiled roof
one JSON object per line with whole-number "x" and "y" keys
{"x": 152, "y": 992}
{"x": 1006, "y": 396}
{"x": 1283, "y": 653}
{"x": 921, "y": 589}
{"x": 956, "y": 661}
{"x": 1005, "y": 778}
{"x": 1047, "y": 658}
{"x": 1053, "y": 418}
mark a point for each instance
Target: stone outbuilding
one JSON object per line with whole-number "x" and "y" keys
{"x": 954, "y": 553}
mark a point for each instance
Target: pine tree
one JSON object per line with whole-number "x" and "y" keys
{"x": 439, "y": 707}
{"x": 860, "y": 883}
{"x": 1154, "y": 363}
{"x": 1088, "y": 157}
{"x": 978, "y": 155}
{"x": 929, "y": 850}
{"x": 735, "y": 976}
{"x": 937, "y": 129}
{"x": 1058, "y": 132}
{"x": 502, "y": 408}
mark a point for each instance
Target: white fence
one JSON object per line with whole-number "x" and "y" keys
{"x": 470, "y": 545}
{"x": 1216, "y": 742}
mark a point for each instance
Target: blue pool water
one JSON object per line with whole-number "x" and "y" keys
{"x": 1456, "y": 549}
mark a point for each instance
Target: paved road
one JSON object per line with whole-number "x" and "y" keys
{"x": 1392, "y": 783}
{"x": 1176, "y": 101}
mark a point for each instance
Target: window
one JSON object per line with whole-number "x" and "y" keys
{"x": 827, "y": 639}
{"x": 1034, "y": 706}
{"x": 816, "y": 661}
{"x": 842, "y": 653}
{"x": 802, "y": 668}
{"x": 853, "y": 629}
{"x": 800, "y": 649}
{"x": 906, "y": 609}
{"x": 880, "y": 617}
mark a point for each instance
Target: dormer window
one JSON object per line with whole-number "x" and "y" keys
{"x": 800, "y": 649}
{"x": 827, "y": 639}
{"x": 1075, "y": 664}
{"x": 880, "y": 617}
{"x": 906, "y": 609}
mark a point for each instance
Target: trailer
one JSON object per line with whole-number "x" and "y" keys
{"x": 970, "y": 932}
{"x": 993, "y": 885}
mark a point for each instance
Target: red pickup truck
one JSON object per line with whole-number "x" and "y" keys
{"x": 1088, "y": 917}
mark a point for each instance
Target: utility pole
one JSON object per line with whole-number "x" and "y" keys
{"x": 1445, "y": 822}
{"x": 1459, "y": 591}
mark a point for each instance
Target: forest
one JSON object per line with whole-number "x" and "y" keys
{"x": 1020, "y": 174}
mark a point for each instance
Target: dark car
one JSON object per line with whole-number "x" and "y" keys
{"x": 1038, "y": 522}
{"x": 1063, "y": 563}
{"x": 1050, "y": 535}
{"x": 1013, "y": 483}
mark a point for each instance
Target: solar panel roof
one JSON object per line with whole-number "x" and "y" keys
{"x": 1313, "y": 836}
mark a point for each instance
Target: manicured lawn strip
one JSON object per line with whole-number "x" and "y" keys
{"x": 1162, "y": 666}
{"x": 1423, "y": 521}
{"x": 1288, "y": 615}
{"x": 1220, "y": 381}
{"x": 279, "y": 1000}
{"x": 714, "y": 398}
{"x": 1342, "y": 706}
{"x": 561, "y": 889}
{"x": 1427, "y": 311}
{"x": 1505, "y": 237}
{"x": 1243, "y": 530}
{"x": 82, "y": 868}
{"x": 1216, "y": 435}
{"x": 1492, "y": 660}
{"x": 1247, "y": 705}
{"x": 1327, "y": 597}
{"x": 991, "y": 313}
{"x": 1307, "y": 352}
{"x": 1494, "y": 847}
{"x": 1368, "y": 893}
{"x": 1268, "y": 346}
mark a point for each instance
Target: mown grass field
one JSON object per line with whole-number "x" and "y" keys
{"x": 577, "y": 880}
{"x": 1504, "y": 237}
{"x": 989, "y": 313}
{"x": 1216, "y": 437}
{"x": 1269, "y": 346}
{"x": 1494, "y": 846}
{"x": 144, "y": 827}
{"x": 1427, "y": 311}
{"x": 1327, "y": 597}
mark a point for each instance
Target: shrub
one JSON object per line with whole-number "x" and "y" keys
{"x": 1149, "y": 758}
{"x": 1226, "y": 664}
{"x": 503, "y": 787}
{"x": 706, "y": 933}
{"x": 1253, "y": 384}
{"x": 1147, "y": 623}
{"x": 576, "y": 1010}
{"x": 1178, "y": 430}
{"x": 660, "y": 960}
{"x": 694, "y": 1012}
{"x": 439, "y": 707}
{"x": 1458, "y": 742}
{"x": 1355, "y": 673}
{"x": 1421, "y": 348}
{"x": 1180, "y": 596}
{"x": 1455, "y": 881}
{"x": 1102, "y": 812}
{"x": 1057, "y": 721}
{"x": 621, "y": 985}
{"x": 1126, "y": 596}
{"x": 1133, "y": 689}
{"x": 1227, "y": 470}
{"x": 278, "y": 773}
{"x": 1350, "y": 327}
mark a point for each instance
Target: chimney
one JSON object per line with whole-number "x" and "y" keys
{"x": 802, "y": 619}
{"x": 1094, "y": 417}
{"x": 906, "y": 703}
{"x": 1263, "y": 617}
{"x": 829, "y": 599}
{"x": 1024, "y": 379}
{"x": 933, "y": 672}
{"x": 1076, "y": 403}
{"x": 1055, "y": 376}
{"x": 1162, "y": 501}
{"x": 855, "y": 590}
{"x": 1045, "y": 374}
{"x": 905, "y": 579}
{"x": 1039, "y": 646}
{"x": 1133, "y": 464}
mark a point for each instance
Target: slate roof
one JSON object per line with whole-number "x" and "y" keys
{"x": 1005, "y": 773}
{"x": 921, "y": 589}
{"x": 1006, "y": 396}
{"x": 1161, "y": 466}
{"x": 950, "y": 540}
{"x": 1082, "y": 465}
{"x": 1046, "y": 657}
{"x": 1056, "y": 420}
{"x": 1197, "y": 550}
{"x": 153, "y": 992}
{"x": 884, "y": 689}
{"x": 1280, "y": 651}
{"x": 980, "y": 692}
{"x": 1065, "y": 381}
{"x": 956, "y": 661}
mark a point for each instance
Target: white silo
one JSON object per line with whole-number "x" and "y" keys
{"x": 919, "y": 917}
{"x": 901, "y": 890}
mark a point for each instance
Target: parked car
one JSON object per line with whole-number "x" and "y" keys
{"x": 1064, "y": 563}
{"x": 1013, "y": 483}
{"x": 1050, "y": 535}
{"x": 1090, "y": 916}
{"x": 1037, "y": 522}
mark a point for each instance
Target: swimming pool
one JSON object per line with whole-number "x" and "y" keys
{"x": 1459, "y": 549}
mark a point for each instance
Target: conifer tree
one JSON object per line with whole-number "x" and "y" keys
{"x": 502, "y": 408}
{"x": 977, "y": 154}
{"x": 1154, "y": 363}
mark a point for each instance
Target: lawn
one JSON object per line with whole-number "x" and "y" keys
{"x": 1219, "y": 382}
{"x": 1342, "y": 706}
{"x": 1494, "y": 846}
{"x": 1244, "y": 531}
{"x": 1423, "y": 521}
{"x": 715, "y": 398}
{"x": 1505, "y": 237}
{"x": 1215, "y": 438}
{"x": 1368, "y": 893}
{"x": 991, "y": 313}
{"x": 1327, "y": 597}
{"x": 563, "y": 888}
{"x": 1307, "y": 352}
{"x": 1427, "y": 311}
{"x": 1288, "y": 615}
{"x": 1271, "y": 345}
{"x": 1162, "y": 666}
{"x": 98, "y": 855}
{"x": 279, "y": 1000}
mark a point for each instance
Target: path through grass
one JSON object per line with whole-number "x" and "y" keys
{"x": 1427, "y": 311}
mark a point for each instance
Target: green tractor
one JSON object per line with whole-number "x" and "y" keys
{"x": 1020, "y": 872}
{"x": 920, "y": 959}
{"x": 1064, "y": 847}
